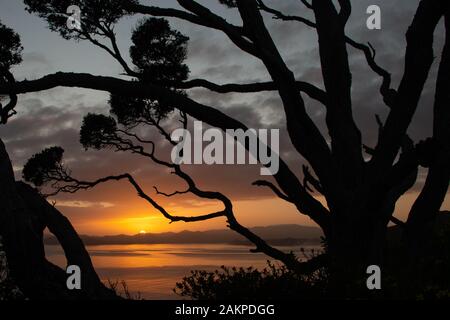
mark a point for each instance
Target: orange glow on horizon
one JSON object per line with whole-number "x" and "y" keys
{"x": 141, "y": 219}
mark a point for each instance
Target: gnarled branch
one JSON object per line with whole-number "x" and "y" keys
{"x": 311, "y": 90}
{"x": 264, "y": 183}
{"x": 286, "y": 179}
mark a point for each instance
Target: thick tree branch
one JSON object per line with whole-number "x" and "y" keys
{"x": 398, "y": 222}
{"x": 346, "y": 10}
{"x": 264, "y": 183}
{"x": 279, "y": 15}
{"x": 286, "y": 179}
{"x": 315, "y": 148}
{"x": 386, "y": 91}
{"x": 308, "y": 178}
{"x": 345, "y": 136}
{"x": 418, "y": 60}
{"x": 73, "y": 246}
{"x": 407, "y": 164}
{"x": 74, "y": 185}
{"x": 304, "y": 134}
{"x": 429, "y": 201}
{"x": 311, "y": 90}
{"x": 201, "y": 16}
{"x": 8, "y": 111}
{"x": 368, "y": 51}
{"x": 306, "y": 4}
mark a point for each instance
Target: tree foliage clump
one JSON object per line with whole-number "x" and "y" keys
{"x": 96, "y": 130}
{"x": 159, "y": 52}
{"x": 10, "y": 47}
{"x": 96, "y": 15}
{"x": 131, "y": 111}
{"x": 10, "y": 54}
{"x": 38, "y": 168}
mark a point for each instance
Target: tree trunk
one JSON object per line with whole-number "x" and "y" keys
{"x": 356, "y": 241}
{"x": 24, "y": 216}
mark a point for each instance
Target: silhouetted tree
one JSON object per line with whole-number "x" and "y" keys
{"x": 361, "y": 190}
{"x": 10, "y": 54}
{"x": 25, "y": 214}
{"x": 10, "y": 47}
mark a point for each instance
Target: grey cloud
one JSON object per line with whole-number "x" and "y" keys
{"x": 53, "y": 118}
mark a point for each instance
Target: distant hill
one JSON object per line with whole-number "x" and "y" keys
{"x": 275, "y": 235}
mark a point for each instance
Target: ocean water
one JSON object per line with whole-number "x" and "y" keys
{"x": 152, "y": 270}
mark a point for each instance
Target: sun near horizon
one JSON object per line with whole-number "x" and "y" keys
{"x": 132, "y": 216}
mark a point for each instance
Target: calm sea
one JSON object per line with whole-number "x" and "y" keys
{"x": 153, "y": 269}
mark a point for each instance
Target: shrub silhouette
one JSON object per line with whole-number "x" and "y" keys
{"x": 271, "y": 283}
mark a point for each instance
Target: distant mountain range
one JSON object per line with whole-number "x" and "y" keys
{"x": 282, "y": 235}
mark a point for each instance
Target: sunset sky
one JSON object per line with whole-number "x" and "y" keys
{"x": 53, "y": 117}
